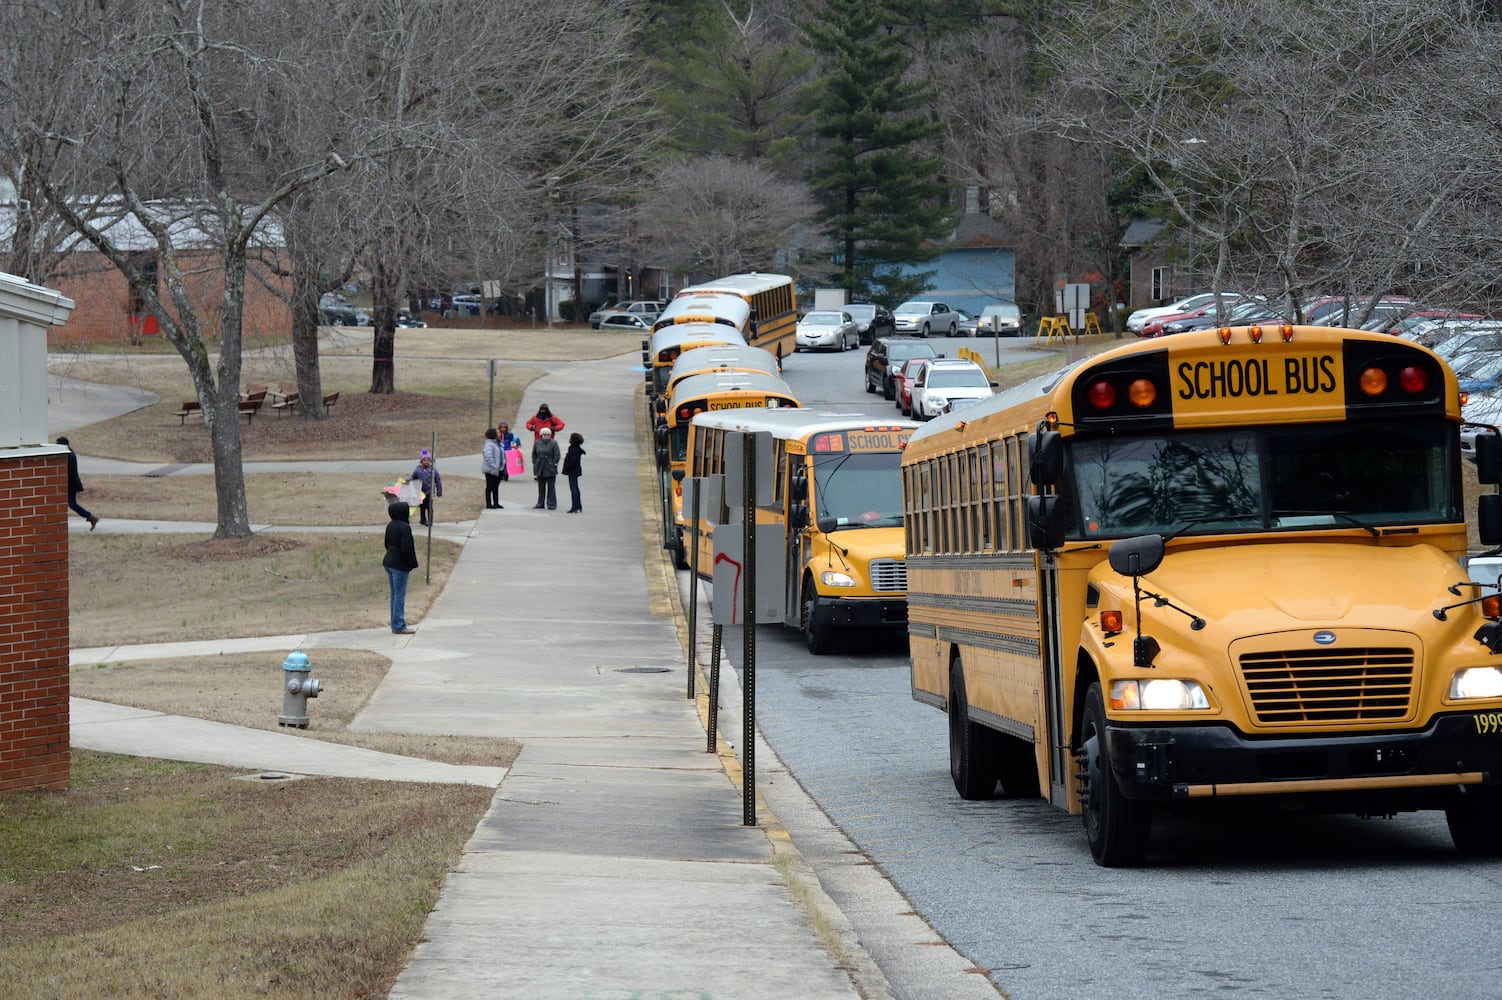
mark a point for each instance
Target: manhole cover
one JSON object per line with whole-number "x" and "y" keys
{"x": 641, "y": 670}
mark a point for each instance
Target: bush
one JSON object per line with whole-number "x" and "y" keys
{"x": 566, "y": 311}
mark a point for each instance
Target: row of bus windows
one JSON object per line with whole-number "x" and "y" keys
{"x": 973, "y": 500}
{"x": 709, "y": 457}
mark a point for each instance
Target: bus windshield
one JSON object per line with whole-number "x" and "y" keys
{"x": 862, "y": 490}
{"x": 1266, "y": 478}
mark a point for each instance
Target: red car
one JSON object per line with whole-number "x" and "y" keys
{"x": 904, "y": 384}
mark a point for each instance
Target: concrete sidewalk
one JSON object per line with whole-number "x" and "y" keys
{"x": 613, "y": 861}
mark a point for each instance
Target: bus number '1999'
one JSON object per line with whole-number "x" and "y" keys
{"x": 1488, "y": 722}
{"x": 1256, "y": 377}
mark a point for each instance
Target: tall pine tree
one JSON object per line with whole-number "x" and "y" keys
{"x": 881, "y": 194}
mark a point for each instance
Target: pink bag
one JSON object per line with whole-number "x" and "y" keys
{"x": 514, "y": 466}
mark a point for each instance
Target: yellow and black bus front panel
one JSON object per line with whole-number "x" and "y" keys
{"x": 853, "y": 557}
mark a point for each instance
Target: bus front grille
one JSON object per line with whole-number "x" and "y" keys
{"x": 1323, "y": 686}
{"x": 888, "y": 576}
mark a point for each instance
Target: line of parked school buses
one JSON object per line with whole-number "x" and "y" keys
{"x": 713, "y": 364}
{"x": 1288, "y": 500}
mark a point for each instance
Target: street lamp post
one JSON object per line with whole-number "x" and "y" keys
{"x": 547, "y": 274}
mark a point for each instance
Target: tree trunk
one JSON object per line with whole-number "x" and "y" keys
{"x": 385, "y": 287}
{"x": 305, "y": 294}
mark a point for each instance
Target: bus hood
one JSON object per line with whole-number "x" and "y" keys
{"x": 1250, "y": 589}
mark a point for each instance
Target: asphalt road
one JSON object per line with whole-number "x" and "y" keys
{"x": 1282, "y": 907}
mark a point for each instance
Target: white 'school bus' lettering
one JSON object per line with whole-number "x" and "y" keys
{"x": 1255, "y": 377}
{"x": 734, "y": 404}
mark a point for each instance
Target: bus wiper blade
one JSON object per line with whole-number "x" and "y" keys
{"x": 1208, "y": 519}
{"x": 1342, "y": 515}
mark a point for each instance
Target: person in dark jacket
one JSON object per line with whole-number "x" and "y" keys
{"x": 75, "y": 486}
{"x": 543, "y": 418}
{"x": 571, "y": 468}
{"x": 545, "y": 469}
{"x": 432, "y": 483}
{"x": 400, "y": 561}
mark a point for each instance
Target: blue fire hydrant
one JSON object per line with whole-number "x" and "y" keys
{"x": 299, "y": 687}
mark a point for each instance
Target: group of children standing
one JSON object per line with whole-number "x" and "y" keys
{"x": 500, "y": 457}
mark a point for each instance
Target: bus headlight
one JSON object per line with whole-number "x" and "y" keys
{"x": 1476, "y": 682}
{"x": 1157, "y": 695}
{"x": 834, "y": 578}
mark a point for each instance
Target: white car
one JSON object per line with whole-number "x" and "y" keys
{"x": 921, "y": 317}
{"x": 1137, "y": 320}
{"x": 1482, "y": 415}
{"x": 647, "y": 309}
{"x": 836, "y": 331}
{"x": 624, "y": 321}
{"x": 1003, "y": 318}
{"x": 942, "y": 385}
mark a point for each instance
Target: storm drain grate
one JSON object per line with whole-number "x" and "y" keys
{"x": 641, "y": 670}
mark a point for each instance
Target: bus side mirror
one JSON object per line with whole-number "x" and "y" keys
{"x": 1489, "y": 518}
{"x": 1489, "y": 459}
{"x": 1046, "y": 464}
{"x": 828, "y": 524}
{"x": 1137, "y": 556}
{"x": 678, "y": 475}
{"x": 797, "y": 517}
{"x": 798, "y": 488}
{"x": 663, "y": 461}
{"x": 661, "y": 405}
{"x": 1045, "y": 522}
{"x": 660, "y": 435}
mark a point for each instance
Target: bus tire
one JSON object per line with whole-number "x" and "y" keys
{"x": 1017, "y": 767}
{"x": 1475, "y": 821}
{"x": 820, "y": 638}
{"x": 1116, "y": 827}
{"x": 973, "y": 763}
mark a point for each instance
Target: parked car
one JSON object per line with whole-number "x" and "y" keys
{"x": 1452, "y": 349}
{"x": 1482, "y": 415}
{"x": 1137, "y": 320}
{"x": 1211, "y": 312}
{"x": 408, "y": 320}
{"x": 624, "y": 321}
{"x": 925, "y": 316}
{"x": 969, "y": 323}
{"x": 874, "y": 321}
{"x": 1338, "y": 310}
{"x": 335, "y": 310}
{"x": 1002, "y": 318}
{"x": 885, "y": 359}
{"x": 904, "y": 382}
{"x": 1243, "y": 314}
{"x": 827, "y": 329}
{"x": 939, "y": 384}
{"x": 1479, "y": 372}
{"x": 594, "y": 317}
{"x": 468, "y": 305}
{"x": 647, "y": 309}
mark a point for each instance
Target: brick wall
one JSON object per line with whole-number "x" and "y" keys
{"x": 102, "y": 299}
{"x": 33, "y": 622}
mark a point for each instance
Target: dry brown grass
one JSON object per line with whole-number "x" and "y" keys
{"x": 154, "y": 878}
{"x": 321, "y": 499}
{"x": 127, "y": 589}
{"x": 244, "y": 689}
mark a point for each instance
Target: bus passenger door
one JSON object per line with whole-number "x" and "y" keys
{"x": 794, "y": 540}
{"x": 1051, "y": 653}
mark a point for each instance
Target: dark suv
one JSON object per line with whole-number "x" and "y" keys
{"x": 874, "y": 321}
{"x": 886, "y": 357}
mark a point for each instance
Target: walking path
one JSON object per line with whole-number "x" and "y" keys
{"x": 613, "y": 861}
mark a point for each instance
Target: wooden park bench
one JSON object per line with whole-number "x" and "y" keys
{"x": 329, "y": 399}
{"x": 287, "y": 403}
{"x": 251, "y": 405}
{"x": 254, "y": 390}
{"x": 190, "y": 407}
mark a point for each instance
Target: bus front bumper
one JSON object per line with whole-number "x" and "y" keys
{"x": 870, "y": 611}
{"x": 1408, "y": 769}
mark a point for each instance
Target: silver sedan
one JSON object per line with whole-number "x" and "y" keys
{"x": 831, "y": 330}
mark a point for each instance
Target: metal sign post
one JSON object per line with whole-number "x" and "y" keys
{"x": 748, "y": 652}
{"x": 693, "y": 589}
{"x": 432, "y": 511}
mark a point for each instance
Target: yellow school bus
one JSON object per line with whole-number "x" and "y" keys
{"x": 662, "y": 349}
{"x": 837, "y": 496}
{"x": 720, "y": 357}
{"x": 774, "y": 307}
{"x": 1226, "y": 565}
{"x": 689, "y": 307}
{"x": 704, "y": 392}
